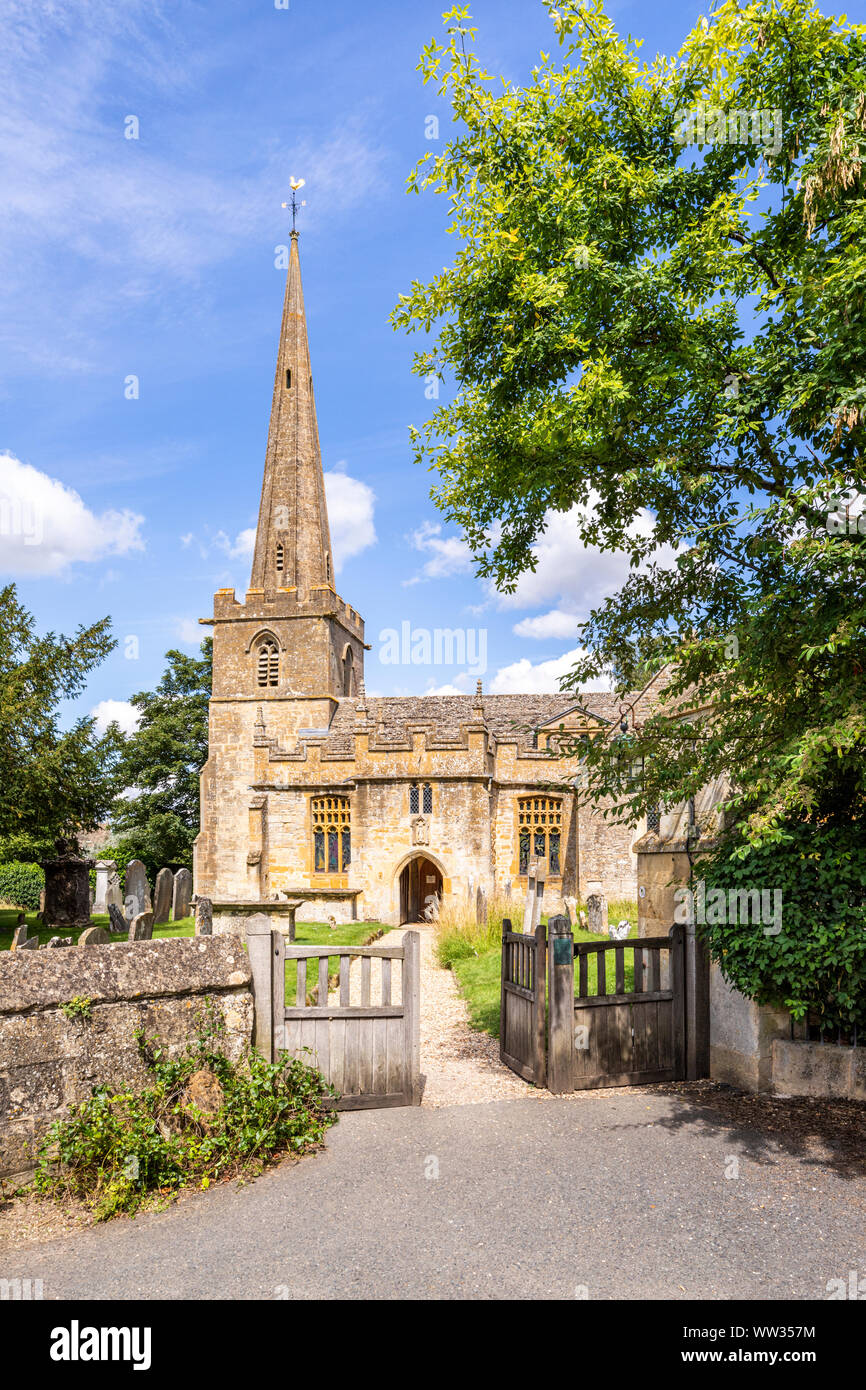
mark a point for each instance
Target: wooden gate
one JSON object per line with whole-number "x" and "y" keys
{"x": 522, "y": 1012}
{"x": 622, "y": 1021}
{"x": 619, "y": 1013}
{"x": 369, "y": 1052}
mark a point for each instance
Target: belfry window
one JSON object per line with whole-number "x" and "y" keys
{"x": 420, "y": 799}
{"x": 539, "y": 823}
{"x": 281, "y": 557}
{"x": 288, "y": 378}
{"x": 332, "y": 834}
{"x": 268, "y": 667}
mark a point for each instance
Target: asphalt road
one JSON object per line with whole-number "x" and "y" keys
{"x": 614, "y": 1196}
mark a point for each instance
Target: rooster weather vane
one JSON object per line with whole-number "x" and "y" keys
{"x": 296, "y": 186}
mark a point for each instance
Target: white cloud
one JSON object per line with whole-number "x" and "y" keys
{"x": 448, "y": 554}
{"x": 572, "y": 575}
{"x": 115, "y": 712}
{"x": 45, "y": 526}
{"x": 190, "y": 632}
{"x": 548, "y": 625}
{"x": 350, "y": 513}
{"x": 522, "y": 678}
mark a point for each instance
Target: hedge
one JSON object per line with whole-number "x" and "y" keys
{"x": 21, "y": 885}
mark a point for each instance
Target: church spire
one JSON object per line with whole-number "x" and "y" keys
{"x": 293, "y": 540}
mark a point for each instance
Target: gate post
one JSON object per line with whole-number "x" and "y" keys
{"x": 560, "y": 1053}
{"x": 258, "y": 939}
{"x": 697, "y": 989}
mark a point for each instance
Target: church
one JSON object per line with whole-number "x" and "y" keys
{"x": 367, "y": 807}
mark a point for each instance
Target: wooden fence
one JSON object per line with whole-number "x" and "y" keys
{"x": 369, "y": 1052}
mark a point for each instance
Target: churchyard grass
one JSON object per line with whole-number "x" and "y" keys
{"x": 9, "y": 921}
{"x": 477, "y": 969}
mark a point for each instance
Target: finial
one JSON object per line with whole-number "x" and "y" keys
{"x": 296, "y": 185}
{"x": 478, "y": 691}
{"x": 361, "y": 698}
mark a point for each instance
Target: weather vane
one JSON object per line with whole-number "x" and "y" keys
{"x": 296, "y": 186}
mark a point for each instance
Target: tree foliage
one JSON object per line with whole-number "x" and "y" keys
{"x": 158, "y": 820}
{"x": 53, "y": 781}
{"x": 655, "y": 322}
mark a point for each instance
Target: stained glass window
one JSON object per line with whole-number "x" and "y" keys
{"x": 332, "y": 839}
{"x": 539, "y": 821}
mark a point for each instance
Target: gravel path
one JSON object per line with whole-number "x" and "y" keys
{"x": 461, "y": 1066}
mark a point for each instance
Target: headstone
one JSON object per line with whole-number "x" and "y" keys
{"x": 30, "y": 943}
{"x": 105, "y": 869}
{"x": 141, "y": 927}
{"x": 182, "y": 895}
{"x": 137, "y": 886}
{"x": 534, "y": 894}
{"x": 117, "y": 921}
{"x": 67, "y": 887}
{"x": 596, "y": 909}
{"x": 571, "y": 909}
{"x": 20, "y": 936}
{"x": 94, "y": 936}
{"x": 114, "y": 891}
{"x": 203, "y": 917}
{"x": 581, "y": 918}
{"x": 162, "y": 893}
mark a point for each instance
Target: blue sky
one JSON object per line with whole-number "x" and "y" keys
{"x": 155, "y": 258}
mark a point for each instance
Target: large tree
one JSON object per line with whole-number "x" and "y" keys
{"x": 54, "y": 781}
{"x": 655, "y": 321}
{"x": 159, "y": 816}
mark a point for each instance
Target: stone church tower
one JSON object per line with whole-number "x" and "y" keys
{"x": 372, "y": 807}
{"x": 287, "y": 654}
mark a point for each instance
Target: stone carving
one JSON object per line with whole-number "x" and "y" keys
{"x": 162, "y": 894}
{"x": 141, "y": 927}
{"x": 67, "y": 887}
{"x": 420, "y": 831}
{"x": 182, "y": 895}
{"x": 94, "y": 936}
{"x": 116, "y": 919}
{"x": 203, "y": 917}
{"x": 137, "y": 887}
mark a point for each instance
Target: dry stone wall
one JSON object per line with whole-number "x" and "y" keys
{"x": 49, "y": 1061}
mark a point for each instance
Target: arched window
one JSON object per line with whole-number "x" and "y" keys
{"x": 420, "y": 799}
{"x": 332, "y": 834}
{"x": 348, "y": 670}
{"x": 268, "y": 668}
{"x": 288, "y": 378}
{"x": 539, "y": 822}
{"x": 281, "y": 557}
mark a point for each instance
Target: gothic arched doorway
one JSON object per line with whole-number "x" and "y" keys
{"x": 420, "y": 882}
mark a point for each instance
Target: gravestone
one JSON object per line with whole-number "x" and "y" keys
{"x": 203, "y": 917}
{"x": 137, "y": 887}
{"x": 94, "y": 936}
{"x": 182, "y": 895}
{"x": 20, "y": 936}
{"x": 117, "y": 921}
{"x": 162, "y": 893}
{"x": 596, "y": 909}
{"x": 30, "y": 943}
{"x": 141, "y": 927}
{"x": 114, "y": 891}
{"x": 67, "y": 887}
{"x": 105, "y": 869}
